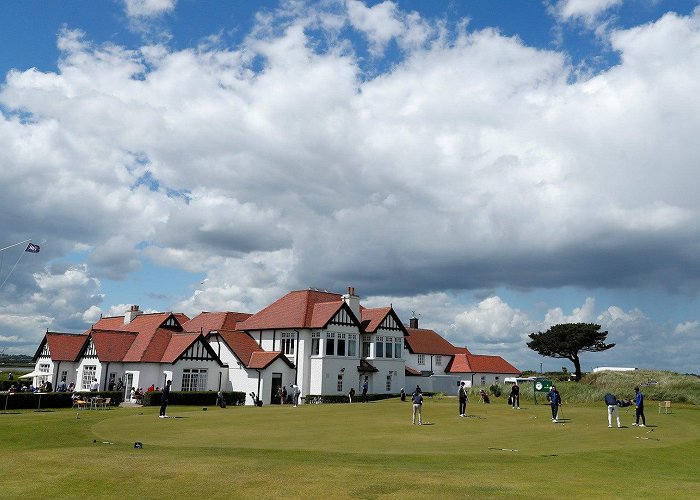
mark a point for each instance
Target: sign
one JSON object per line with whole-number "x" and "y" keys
{"x": 543, "y": 385}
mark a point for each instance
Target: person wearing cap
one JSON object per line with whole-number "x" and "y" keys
{"x": 554, "y": 401}
{"x": 462, "y": 395}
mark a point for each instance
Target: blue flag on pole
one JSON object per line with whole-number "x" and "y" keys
{"x": 32, "y": 248}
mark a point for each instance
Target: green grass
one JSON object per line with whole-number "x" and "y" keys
{"x": 349, "y": 451}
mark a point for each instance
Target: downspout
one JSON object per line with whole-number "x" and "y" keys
{"x": 57, "y": 372}
{"x": 258, "y": 396}
{"x": 274, "y": 339}
{"x": 104, "y": 386}
{"x": 220, "y": 379}
{"x": 296, "y": 359}
{"x": 431, "y": 364}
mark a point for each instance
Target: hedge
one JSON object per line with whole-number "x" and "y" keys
{"x": 203, "y": 398}
{"x": 29, "y": 400}
{"x": 319, "y": 398}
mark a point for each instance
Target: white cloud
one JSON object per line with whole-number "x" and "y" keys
{"x": 148, "y": 8}
{"x": 474, "y": 162}
{"x": 586, "y": 10}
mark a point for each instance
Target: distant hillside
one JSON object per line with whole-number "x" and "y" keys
{"x": 656, "y": 386}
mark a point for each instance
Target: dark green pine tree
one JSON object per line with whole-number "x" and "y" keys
{"x": 567, "y": 340}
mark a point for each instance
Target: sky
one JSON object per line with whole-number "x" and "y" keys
{"x": 495, "y": 168}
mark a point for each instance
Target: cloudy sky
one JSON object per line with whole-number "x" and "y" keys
{"x": 496, "y": 167}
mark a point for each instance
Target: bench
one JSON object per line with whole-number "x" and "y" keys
{"x": 666, "y": 405}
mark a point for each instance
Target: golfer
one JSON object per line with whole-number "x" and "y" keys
{"x": 554, "y": 401}
{"x": 612, "y": 403}
{"x": 462, "y": 395}
{"x": 639, "y": 401}
{"x": 417, "y": 407}
{"x": 165, "y": 395}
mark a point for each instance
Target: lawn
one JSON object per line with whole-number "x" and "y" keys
{"x": 349, "y": 451}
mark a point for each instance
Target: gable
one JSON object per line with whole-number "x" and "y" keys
{"x": 199, "y": 351}
{"x": 90, "y": 351}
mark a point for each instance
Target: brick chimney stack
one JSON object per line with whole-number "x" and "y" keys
{"x": 131, "y": 314}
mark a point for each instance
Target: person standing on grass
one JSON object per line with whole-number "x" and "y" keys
{"x": 165, "y": 395}
{"x": 462, "y": 395}
{"x": 639, "y": 412}
{"x": 365, "y": 387}
{"x": 515, "y": 395}
{"x": 612, "y": 403}
{"x": 417, "y": 407}
{"x": 554, "y": 401}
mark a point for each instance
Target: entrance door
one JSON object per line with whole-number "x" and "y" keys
{"x": 128, "y": 384}
{"x": 275, "y": 387}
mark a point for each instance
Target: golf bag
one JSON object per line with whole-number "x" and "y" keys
{"x": 256, "y": 401}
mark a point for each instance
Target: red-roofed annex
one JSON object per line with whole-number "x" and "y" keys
{"x": 323, "y": 342}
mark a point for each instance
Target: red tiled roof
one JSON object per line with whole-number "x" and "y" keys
{"x": 213, "y": 321}
{"x": 411, "y": 371}
{"x": 64, "y": 346}
{"x": 141, "y": 323}
{"x": 249, "y": 352}
{"x": 111, "y": 345}
{"x": 179, "y": 343}
{"x": 366, "y": 367}
{"x": 423, "y": 341}
{"x": 323, "y": 312}
{"x": 479, "y": 363}
{"x": 294, "y": 310}
{"x": 372, "y": 318}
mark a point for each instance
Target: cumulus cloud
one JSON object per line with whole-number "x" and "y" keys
{"x": 587, "y": 11}
{"x": 473, "y": 162}
{"x": 148, "y": 8}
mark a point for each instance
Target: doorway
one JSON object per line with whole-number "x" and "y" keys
{"x": 275, "y": 389}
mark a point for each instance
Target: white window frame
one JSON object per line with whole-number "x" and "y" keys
{"x": 398, "y": 348}
{"x": 438, "y": 360}
{"x": 421, "y": 359}
{"x": 194, "y": 379}
{"x": 379, "y": 347}
{"x": 89, "y": 374}
{"x": 342, "y": 338}
{"x": 340, "y": 383}
{"x": 352, "y": 345}
{"x": 287, "y": 343}
{"x": 315, "y": 343}
{"x": 330, "y": 341}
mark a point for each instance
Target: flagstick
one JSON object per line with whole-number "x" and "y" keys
{"x": 25, "y": 241}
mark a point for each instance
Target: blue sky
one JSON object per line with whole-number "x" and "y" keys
{"x": 497, "y": 167}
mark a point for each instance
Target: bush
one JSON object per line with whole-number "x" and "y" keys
{"x": 189, "y": 398}
{"x": 343, "y": 398}
{"x": 496, "y": 390}
{"x": 29, "y": 400}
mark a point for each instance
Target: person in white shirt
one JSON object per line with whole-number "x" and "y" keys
{"x": 94, "y": 385}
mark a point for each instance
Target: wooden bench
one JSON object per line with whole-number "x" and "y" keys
{"x": 666, "y": 405}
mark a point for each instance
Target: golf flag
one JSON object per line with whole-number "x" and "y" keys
{"x": 32, "y": 248}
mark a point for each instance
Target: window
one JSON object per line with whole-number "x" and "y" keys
{"x": 44, "y": 370}
{"x": 315, "y": 341}
{"x": 340, "y": 383}
{"x": 497, "y": 378}
{"x": 352, "y": 345}
{"x": 341, "y": 344}
{"x": 194, "y": 379}
{"x": 438, "y": 360}
{"x": 89, "y": 374}
{"x": 287, "y": 344}
{"x": 388, "y": 383}
{"x": 379, "y": 348}
{"x": 330, "y": 344}
{"x": 366, "y": 343}
{"x": 397, "y": 348}
{"x": 421, "y": 359}
{"x": 388, "y": 347}
{"x": 483, "y": 380}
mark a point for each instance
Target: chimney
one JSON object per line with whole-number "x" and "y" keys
{"x": 413, "y": 321}
{"x": 353, "y": 301}
{"x": 131, "y": 314}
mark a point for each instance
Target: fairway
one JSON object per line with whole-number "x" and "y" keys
{"x": 343, "y": 451}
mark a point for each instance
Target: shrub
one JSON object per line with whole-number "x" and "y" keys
{"x": 189, "y": 398}
{"x": 29, "y": 400}
{"x": 338, "y": 398}
{"x": 496, "y": 390}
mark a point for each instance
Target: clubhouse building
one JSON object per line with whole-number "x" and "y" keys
{"x": 323, "y": 342}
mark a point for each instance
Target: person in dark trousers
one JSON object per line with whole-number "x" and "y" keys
{"x": 639, "y": 412}
{"x": 462, "y": 395}
{"x": 611, "y": 402}
{"x": 515, "y": 395}
{"x": 554, "y": 401}
{"x": 403, "y": 394}
{"x": 351, "y": 395}
{"x": 165, "y": 395}
{"x": 365, "y": 387}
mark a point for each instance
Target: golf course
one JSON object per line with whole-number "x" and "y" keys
{"x": 350, "y": 451}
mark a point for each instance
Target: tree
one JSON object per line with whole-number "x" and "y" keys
{"x": 568, "y": 340}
